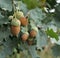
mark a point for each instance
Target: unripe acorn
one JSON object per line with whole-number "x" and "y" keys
{"x": 25, "y": 36}
{"x": 19, "y": 14}
{"x": 15, "y": 27}
{"x": 10, "y": 17}
{"x": 24, "y": 21}
{"x": 33, "y": 31}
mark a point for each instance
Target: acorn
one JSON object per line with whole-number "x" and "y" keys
{"x": 15, "y": 27}
{"x": 10, "y": 18}
{"x": 33, "y": 32}
{"x": 30, "y": 41}
{"x": 25, "y": 36}
{"x": 19, "y": 14}
{"x": 24, "y": 21}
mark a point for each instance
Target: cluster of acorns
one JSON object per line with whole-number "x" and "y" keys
{"x": 17, "y": 21}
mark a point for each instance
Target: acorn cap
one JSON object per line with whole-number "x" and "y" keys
{"x": 35, "y": 28}
{"x": 27, "y": 33}
{"x": 15, "y": 22}
{"x": 19, "y": 14}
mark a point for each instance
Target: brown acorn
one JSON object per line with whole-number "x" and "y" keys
{"x": 25, "y": 36}
{"x": 24, "y": 21}
{"x": 15, "y": 30}
{"x": 33, "y": 32}
{"x": 15, "y": 27}
{"x": 30, "y": 41}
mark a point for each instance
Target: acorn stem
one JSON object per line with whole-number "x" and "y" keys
{"x": 18, "y": 4}
{"x": 13, "y": 6}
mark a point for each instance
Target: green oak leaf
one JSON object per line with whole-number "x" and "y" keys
{"x": 51, "y": 33}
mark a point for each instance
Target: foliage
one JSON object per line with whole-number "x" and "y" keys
{"x": 38, "y": 16}
{"x": 52, "y": 3}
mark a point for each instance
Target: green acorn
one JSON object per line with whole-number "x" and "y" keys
{"x": 19, "y": 14}
{"x": 10, "y": 17}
